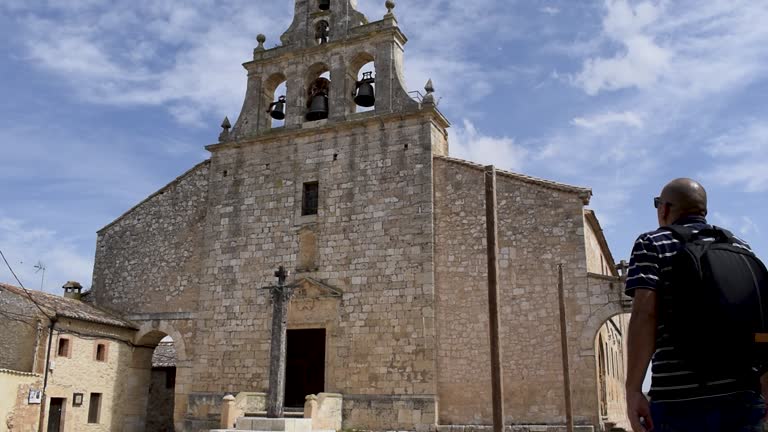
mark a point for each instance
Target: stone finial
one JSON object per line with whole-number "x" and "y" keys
{"x": 225, "y": 127}
{"x": 260, "y": 39}
{"x": 229, "y": 413}
{"x": 390, "y": 4}
{"x": 430, "y": 89}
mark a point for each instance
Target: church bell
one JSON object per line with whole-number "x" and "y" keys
{"x": 365, "y": 94}
{"x": 277, "y": 109}
{"x": 325, "y": 4}
{"x": 318, "y": 108}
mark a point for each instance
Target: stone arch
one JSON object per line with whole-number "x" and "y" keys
{"x": 322, "y": 31}
{"x": 358, "y": 63}
{"x": 149, "y": 335}
{"x": 318, "y": 79}
{"x": 595, "y": 321}
{"x": 274, "y": 87}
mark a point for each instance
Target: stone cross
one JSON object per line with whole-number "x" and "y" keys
{"x": 281, "y": 295}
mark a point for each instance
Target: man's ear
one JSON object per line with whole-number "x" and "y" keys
{"x": 667, "y": 212}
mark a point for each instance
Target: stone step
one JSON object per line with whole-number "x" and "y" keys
{"x": 274, "y": 425}
{"x": 288, "y": 413}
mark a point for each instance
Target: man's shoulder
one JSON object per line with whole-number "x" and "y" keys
{"x": 655, "y": 236}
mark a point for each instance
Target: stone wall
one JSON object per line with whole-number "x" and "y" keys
{"x": 16, "y": 414}
{"x": 20, "y": 332}
{"x": 539, "y": 227}
{"x": 380, "y": 413}
{"x": 148, "y": 259}
{"x": 374, "y": 243}
{"x": 373, "y": 235}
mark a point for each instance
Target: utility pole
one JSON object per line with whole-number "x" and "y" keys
{"x": 493, "y": 298}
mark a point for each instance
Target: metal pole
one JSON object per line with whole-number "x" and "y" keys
{"x": 44, "y": 398}
{"x": 493, "y": 298}
{"x": 564, "y": 343}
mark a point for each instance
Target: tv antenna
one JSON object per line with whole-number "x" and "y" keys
{"x": 40, "y": 268}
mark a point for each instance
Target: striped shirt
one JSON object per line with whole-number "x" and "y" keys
{"x": 671, "y": 378}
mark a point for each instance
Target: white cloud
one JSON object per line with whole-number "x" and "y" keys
{"x": 550, "y": 10}
{"x": 151, "y": 53}
{"x": 683, "y": 49}
{"x": 607, "y": 120}
{"x": 739, "y": 157}
{"x": 743, "y": 226}
{"x": 470, "y": 144}
{"x": 25, "y": 246}
{"x": 186, "y": 57}
{"x": 640, "y": 63}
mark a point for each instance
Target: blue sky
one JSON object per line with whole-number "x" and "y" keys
{"x": 103, "y": 102}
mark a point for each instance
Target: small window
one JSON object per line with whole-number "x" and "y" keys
{"x": 310, "y": 197}
{"x": 94, "y": 408}
{"x": 64, "y": 346}
{"x": 101, "y": 352}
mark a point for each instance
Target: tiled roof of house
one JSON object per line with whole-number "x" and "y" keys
{"x": 69, "y": 308}
{"x": 164, "y": 355}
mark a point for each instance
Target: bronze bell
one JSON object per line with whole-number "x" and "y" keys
{"x": 365, "y": 93}
{"x": 277, "y": 109}
{"x": 325, "y": 4}
{"x": 318, "y": 107}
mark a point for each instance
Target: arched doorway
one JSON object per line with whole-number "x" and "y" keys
{"x": 610, "y": 344}
{"x": 162, "y": 385}
{"x": 160, "y": 369}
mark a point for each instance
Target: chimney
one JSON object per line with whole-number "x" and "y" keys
{"x": 72, "y": 290}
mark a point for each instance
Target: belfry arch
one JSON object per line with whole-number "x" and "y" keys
{"x": 275, "y": 91}
{"x": 359, "y": 65}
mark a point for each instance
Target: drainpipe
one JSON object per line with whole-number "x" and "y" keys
{"x": 45, "y": 375}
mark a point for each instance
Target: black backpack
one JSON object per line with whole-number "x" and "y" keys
{"x": 716, "y": 304}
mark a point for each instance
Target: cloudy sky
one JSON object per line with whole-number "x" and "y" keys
{"x": 105, "y": 101}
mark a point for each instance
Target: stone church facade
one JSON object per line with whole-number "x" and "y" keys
{"x": 385, "y": 235}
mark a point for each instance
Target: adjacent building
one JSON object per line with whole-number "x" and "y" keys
{"x": 65, "y": 356}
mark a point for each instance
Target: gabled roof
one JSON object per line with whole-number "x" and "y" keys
{"x": 160, "y": 191}
{"x": 591, "y": 218}
{"x": 584, "y": 193}
{"x": 68, "y": 308}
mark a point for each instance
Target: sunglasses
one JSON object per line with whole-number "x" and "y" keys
{"x": 657, "y": 202}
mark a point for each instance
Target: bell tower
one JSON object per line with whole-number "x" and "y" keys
{"x": 339, "y": 196}
{"x": 319, "y": 63}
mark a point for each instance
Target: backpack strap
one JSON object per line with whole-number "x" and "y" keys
{"x": 686, "y": 234}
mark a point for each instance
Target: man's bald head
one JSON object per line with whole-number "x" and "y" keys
{"x": 685, "y": 197}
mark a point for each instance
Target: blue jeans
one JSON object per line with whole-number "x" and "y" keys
{"x": 742, "y": 412}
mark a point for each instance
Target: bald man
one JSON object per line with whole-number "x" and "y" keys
{"x": 679, "y": 400}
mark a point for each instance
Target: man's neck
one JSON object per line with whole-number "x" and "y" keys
{"x": 690, "y": 218}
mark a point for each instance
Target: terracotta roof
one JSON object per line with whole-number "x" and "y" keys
{"x": 164, "y": 355}
{"x": 69, "y": 308}
{"x": 584, "y": 193}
